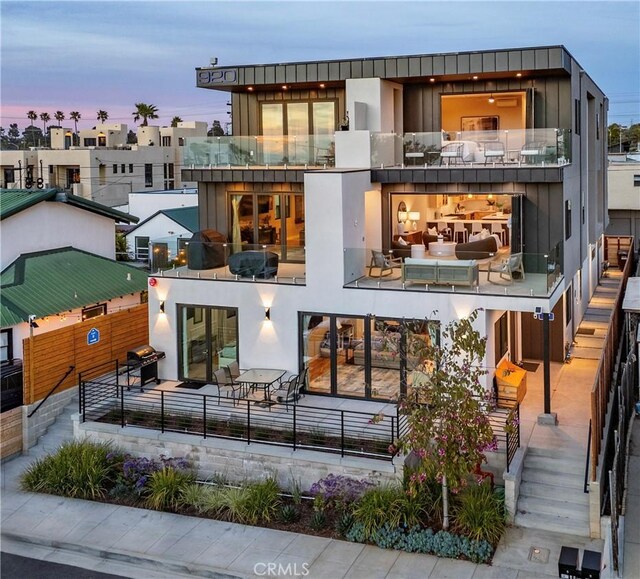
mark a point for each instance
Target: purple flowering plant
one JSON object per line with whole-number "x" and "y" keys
{"x": 338, "y": 491}
{"x": 136, "y": 471}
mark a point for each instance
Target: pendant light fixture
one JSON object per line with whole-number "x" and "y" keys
{"x": 491, "y": 99}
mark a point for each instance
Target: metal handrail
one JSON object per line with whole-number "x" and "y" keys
{"x": 586, "y": 465}
{"x": 71, "y": 369}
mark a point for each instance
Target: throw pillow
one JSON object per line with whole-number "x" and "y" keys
{"x": 401, "y": 241}
{"x": 432, "y": 231}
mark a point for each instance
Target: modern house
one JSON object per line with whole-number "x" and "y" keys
{"x": 59, "y": 281}
{"x": 508, "y": 141}
{"x": 624, "y": 195}
{"x": 103, "y": 166}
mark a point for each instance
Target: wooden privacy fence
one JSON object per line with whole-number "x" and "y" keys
{"x": 602, "y": 384}
{"x": 11, "y": 432}
{"x": 54, "y": 352}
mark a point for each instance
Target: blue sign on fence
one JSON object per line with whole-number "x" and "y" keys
{"x": 93, "y": 336}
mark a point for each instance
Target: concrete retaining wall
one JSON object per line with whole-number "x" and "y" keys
{"x": 33, "y": 428}
{"x": 237, "y": 460}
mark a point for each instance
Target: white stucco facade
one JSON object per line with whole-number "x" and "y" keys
{"x": 144, "y": 205}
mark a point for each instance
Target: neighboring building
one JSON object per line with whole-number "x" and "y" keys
{"x": 624, "y": 196}
{"x": 57, "y": 273}
{"x": 168, "y": 232}
{"x": 143, "y": 204}
{"x": 103, "y": 167}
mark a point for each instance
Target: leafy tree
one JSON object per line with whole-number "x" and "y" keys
{"x": 175, "y": 121}
{"x": 132, "y": 138}
{"x": 102, "y": 116}
{"x": 144, "y": 111}
{"x": 75, "y": 116}
{"x": 447, "y": 411}
{"x": 59, "y": 116}
{"x": 622, "y": 139}
{"x": 215, "y": 130}
{"x": 45, "y": 118}
{"x": 121, "y": 247}
{"x": 32, "y": 116}
{"x": 33, "y": 134}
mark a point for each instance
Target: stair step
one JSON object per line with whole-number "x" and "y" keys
{"x": 561, "y": 525}
{"x": 555, "y": 465}
{"x": 563, "y": 480}
{"x": 545, "y": 491}
{"x": 554, "y": 508}
{"x": 577, "y": 454}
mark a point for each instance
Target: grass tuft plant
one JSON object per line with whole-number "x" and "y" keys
{"x": 165, "y": 488}
{"x": 480, "y": 513}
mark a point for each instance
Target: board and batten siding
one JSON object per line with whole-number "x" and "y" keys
{"x": 10, "y": 432}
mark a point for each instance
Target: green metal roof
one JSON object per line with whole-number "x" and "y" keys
{"x": 185, "y": 216}
{"x": 54, "y": 281}
{"x": 13, "y": 201}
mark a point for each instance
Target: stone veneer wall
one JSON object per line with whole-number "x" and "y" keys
{"x": 33, "y": 428}
{"x": 237, "y": 460}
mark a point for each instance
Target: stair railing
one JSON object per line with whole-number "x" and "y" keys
{"x": 71, "y": 369}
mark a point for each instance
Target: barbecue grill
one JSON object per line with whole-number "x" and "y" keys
{"x": 142, "y": 364}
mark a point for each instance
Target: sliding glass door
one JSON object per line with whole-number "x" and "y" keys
{"x": 207, "y": 340}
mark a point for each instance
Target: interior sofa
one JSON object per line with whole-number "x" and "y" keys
{"x": 404, "y": 250}
{"x": 385, "y": 350}
{"x": 481, "y": 249}
{"x": 443, "y": 272}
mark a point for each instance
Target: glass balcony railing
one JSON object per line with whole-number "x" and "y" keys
{"x": 228, "y": 261}
{"x": 260, "y": 151}
{"x": 512, "y": 147}
{"x": 442, "y": 269}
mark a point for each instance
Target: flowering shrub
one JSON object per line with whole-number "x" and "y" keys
{"x": 136, "y": 471}
{"x": 338, "y": 490}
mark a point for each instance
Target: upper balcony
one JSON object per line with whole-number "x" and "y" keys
{"x": 435, "y": 151}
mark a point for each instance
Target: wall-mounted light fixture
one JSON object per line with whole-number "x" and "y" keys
{"x": 267, "y": 314}
{"x": 162, "y": 307}
{"x": 491, "y": 99}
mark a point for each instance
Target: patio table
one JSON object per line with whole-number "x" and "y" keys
{"x": 261, "y": 378}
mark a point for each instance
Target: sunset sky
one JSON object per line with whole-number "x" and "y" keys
{"x": 86, "y": 55}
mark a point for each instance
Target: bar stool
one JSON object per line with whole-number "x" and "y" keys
{"x": 460, "y": 229}
{"x": 476, "y": 227}
{"x": 498, "y": 230}
{"x": 443, "y": 228}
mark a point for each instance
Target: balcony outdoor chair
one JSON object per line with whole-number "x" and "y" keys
{"x": 493, "y": 150}
{"x": 506, "y": 267}
{"x": 533, "y": 152}
{"x": 452, "y": 152}
{"x": 230, "y": 389}
{"x": 384, "y": 263}
{"x": 288, "y": 393}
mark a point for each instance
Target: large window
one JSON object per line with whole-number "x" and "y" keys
{"x": 142, "y": 248}
{"x": 94, "y": 311}
{"x": 297, "y": 132}
{"x": 148, "y": 175}
{"x": 207, "y": 340}
{"x": 364, "y": 356}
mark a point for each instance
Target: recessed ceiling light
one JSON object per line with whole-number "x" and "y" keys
{"x": 475, "y": 77}
{"x": 250, "y": 88}
{"x": 519, "y": 74}
{"x": 284, "y": 87}
{"x": 322, "y": 85}
{"x": 432, "y": 80}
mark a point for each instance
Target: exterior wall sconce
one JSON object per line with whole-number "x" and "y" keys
{"x": 267, "y": 314}
{"x": 162, "y": 307}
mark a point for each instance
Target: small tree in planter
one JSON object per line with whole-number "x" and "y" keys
{"x": 447, "y": 411}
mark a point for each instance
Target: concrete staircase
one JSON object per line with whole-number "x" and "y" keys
{"x": 57, "y": 433}
{"x": 552, "y": 496}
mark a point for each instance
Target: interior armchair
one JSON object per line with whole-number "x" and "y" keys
{"x": 506, "y": 268}
{"x": 384, "y": 264}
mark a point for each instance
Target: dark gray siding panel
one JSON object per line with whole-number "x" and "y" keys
{"x": 555, "y": 58}
{"x": 502, "y": 61}
{"x": 390, "y": 68}
{"x": 489, "y": 62}
{"x": 312, "y": 72}
{"x": 378, "y": 68}
{"x": 463, "y": 63}
{"x": 402, "y": 67}
{"x": 334, "y": 71}
{"x": 323, "y": 71}
{"x": 345, "y": 70}
{"x": 515, "y": 60}
{"x": 290, "y": 74}
{"x": 528, "y": 59}
{"x": 301, "y": 73}
{"x": 260, "y": 77}
{"x": 414, "y": 66}
{"x": 542, "y": 58}
{"x": 438, "y": 65}
{"x": 356, "y": 69}
{"x": 280, "y": 73}
{"x": 250, "y": 76}
{"x": 426, "y": 65}
{"x": 367, "y": 69}
{"x": 270, "y": 74}
{"x": 451, "y": 64}
{"x": 475, "y": 63}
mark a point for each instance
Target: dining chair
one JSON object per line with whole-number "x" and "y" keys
{"x": 498, "y": 230}
{"x": 384, "y": 263}
{"x": 225, "y": 385}
{"x": 288, "y": 393}
{"x": 459, "y": 229}
{"x": 506, "y": 267}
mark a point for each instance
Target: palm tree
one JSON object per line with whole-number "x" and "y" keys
{"x": 75, "y": 117}
{"x": 175, "y": 121}
{"x": 32, "y": 116}
{"x": 102, "y": 116}
{"x": 144, "y": 112}
{"x": 45, "y": 118}
{"x": 59, "y": 116}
